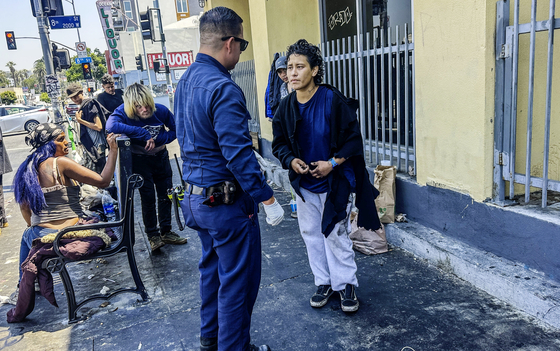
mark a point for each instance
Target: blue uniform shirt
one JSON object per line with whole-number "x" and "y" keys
{"x": 212, "y": 130}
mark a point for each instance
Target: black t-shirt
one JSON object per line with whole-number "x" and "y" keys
{"x": 111, "y": 102}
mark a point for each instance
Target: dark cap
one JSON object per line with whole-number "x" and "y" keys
{"x": 74, "y": 89}
{"x": 281, "y": 62}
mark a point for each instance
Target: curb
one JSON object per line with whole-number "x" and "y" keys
{"x": 525, "y": 289}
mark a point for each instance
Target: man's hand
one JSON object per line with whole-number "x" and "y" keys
{"x": 322, "y": 169}
{"x": 78, "y": 115}
{"x": 299, "y": 166}
{"x": 274, "y": 212}
{"x": 150, "y": 144}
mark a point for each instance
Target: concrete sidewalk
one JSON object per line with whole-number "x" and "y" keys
{"x": 404, "y": 301}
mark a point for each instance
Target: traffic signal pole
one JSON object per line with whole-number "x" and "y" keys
{"x": 170, "y": 92}
{"x": 143, "y": 46}
{"x": 47, "y": 54}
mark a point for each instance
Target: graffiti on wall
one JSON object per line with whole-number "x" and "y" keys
{"x": 340, "y": 18}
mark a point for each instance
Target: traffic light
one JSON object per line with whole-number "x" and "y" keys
{"x": 49, "y": 7}
{"x": 139, "y": 63}
{"x": 11, "y": 41}
{"x": 147, "y": 25}
{"x": 86, "y": 69}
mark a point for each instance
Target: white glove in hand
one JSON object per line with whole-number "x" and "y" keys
{"x": 274, "y": 213}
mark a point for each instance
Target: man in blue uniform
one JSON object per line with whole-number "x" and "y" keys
{"x": 224, "y": 184}
{"x": 150, "y": 127}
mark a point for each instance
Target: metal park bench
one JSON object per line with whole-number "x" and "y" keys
{"x": 124, "y": 230}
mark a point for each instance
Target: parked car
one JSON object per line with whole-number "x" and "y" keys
{"x": 19, "y": 118}
{"x": 71, "y": 109}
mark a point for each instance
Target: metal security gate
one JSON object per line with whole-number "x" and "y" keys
{"x": 244, "y": 76}
{"x": 521, "y": 128}
{"x": 378, "y": 70}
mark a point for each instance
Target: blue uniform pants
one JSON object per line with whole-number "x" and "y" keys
{"x": 230, "y": 267}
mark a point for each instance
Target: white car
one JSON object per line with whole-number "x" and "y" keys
{"x": 19, "y": 118}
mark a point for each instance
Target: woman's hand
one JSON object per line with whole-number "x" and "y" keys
{"x": 150, "y": 144}
{"x": 322, "y": 169}
{"x": 299, "y": 166}
{"x": 112, "y": 141}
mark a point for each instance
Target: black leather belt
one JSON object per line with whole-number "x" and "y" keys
{"x": 193, "y": 189}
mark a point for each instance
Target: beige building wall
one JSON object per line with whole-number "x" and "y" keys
{"x": 454, "y": 57}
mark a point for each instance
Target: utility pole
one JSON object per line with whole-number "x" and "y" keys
{"x": 143, "y": 47}
{"x": 164, "y": 52}
{"x": 47, "y": 56}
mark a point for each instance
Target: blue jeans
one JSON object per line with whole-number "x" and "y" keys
{"x": 230, "y": 267}
{"x": 27, "y": 238}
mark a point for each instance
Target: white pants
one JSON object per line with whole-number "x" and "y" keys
{"x": 331, "y": 258}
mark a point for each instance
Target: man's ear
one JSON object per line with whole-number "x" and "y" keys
{"x": 228, "y": 43}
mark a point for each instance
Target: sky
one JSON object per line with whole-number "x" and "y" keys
{"x": 16, "y": 16}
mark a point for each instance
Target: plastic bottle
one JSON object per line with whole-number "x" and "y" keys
{"x": 108, "y": 206}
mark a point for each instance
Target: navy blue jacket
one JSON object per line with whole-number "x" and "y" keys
{"x": 160, "y": 127}
{"x": 212, "y": 130}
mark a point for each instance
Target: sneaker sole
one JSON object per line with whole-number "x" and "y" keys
{"x": 350, "y": 308}
{"x": 175, "y": 242}
{"x": 321, "y": 303}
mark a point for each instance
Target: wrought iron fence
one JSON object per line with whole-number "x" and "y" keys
{"x": 244, "y": 76}
{"x": 524, "y": 104}
{"x": 378, "y": 70}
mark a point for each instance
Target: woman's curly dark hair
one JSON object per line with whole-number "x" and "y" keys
{"x": 313, "y": 54}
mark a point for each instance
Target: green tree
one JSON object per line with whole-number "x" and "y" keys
{"x": 45, "y": 97}
{"x": 99, "y": 68}
{"x": 8, "y": 97}
{"x": 4, "y": 82}
{"x": 40, "y": 72}
{"x": 11, "y": 67}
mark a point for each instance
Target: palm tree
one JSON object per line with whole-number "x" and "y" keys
{"x": 3, "y": 80}
{"x": 11, "y": 65}
{"x": 40, "y": 72}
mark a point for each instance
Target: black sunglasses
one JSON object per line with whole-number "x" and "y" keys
{"x": 244, "y": 43}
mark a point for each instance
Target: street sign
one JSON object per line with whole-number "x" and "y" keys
{"x": 80, "y": 60}
{"x": 64, "y": 22}
{"x": 91, "y": 84}
{"x": 81, "y": 49}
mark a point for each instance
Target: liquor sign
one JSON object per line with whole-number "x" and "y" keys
{"x": 104, "y": 9}
{"x": 174, "y": 59}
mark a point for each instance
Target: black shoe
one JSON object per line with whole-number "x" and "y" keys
{"x": 348, "y": 299}
{"x": 321, "y": 297}
{"x": 259, "y": 348}
{"x": 208, "y": 344}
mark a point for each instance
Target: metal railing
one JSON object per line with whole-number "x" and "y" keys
{"x": 507, "y": 99}
{"x": 378, "y": 70}
{"x": 244, "y": 76}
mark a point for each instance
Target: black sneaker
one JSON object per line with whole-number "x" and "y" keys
{"x": 208, "y": 344}
{"x": 321, "y": 297}
{"x": 348, "y": 299}
{"x": 259, "y": 348}
{"x": 173, "y": 238}
{"x": 156, "y": 242}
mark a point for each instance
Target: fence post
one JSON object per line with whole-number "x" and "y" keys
{"x": 502, "y": 20}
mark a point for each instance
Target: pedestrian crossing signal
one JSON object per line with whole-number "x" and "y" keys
{"x": 86, "y": 69}
{"x": 11, "y": 41}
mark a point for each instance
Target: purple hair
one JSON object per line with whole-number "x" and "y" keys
{"x": 27, "y": 189}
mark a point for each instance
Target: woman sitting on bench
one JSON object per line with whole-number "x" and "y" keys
{"x": 46, "y": 185}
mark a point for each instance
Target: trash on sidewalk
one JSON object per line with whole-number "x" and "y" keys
{"x": 105, "y": 290}
{"x": 369, "y": 242}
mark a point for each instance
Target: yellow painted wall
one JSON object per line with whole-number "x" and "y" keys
{"x": 241, "y": 7}
{"x": 539, "y": 103}
{"x": 454, "y": 56}
{"x": 275, "y": 25}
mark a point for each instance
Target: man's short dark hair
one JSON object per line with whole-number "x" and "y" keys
{"x": 107, "y": 79}
{"x": 217, "y": 23}
{"x": 313, "y": 54}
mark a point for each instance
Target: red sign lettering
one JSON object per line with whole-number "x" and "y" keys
{"x": 174, "y": 59}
